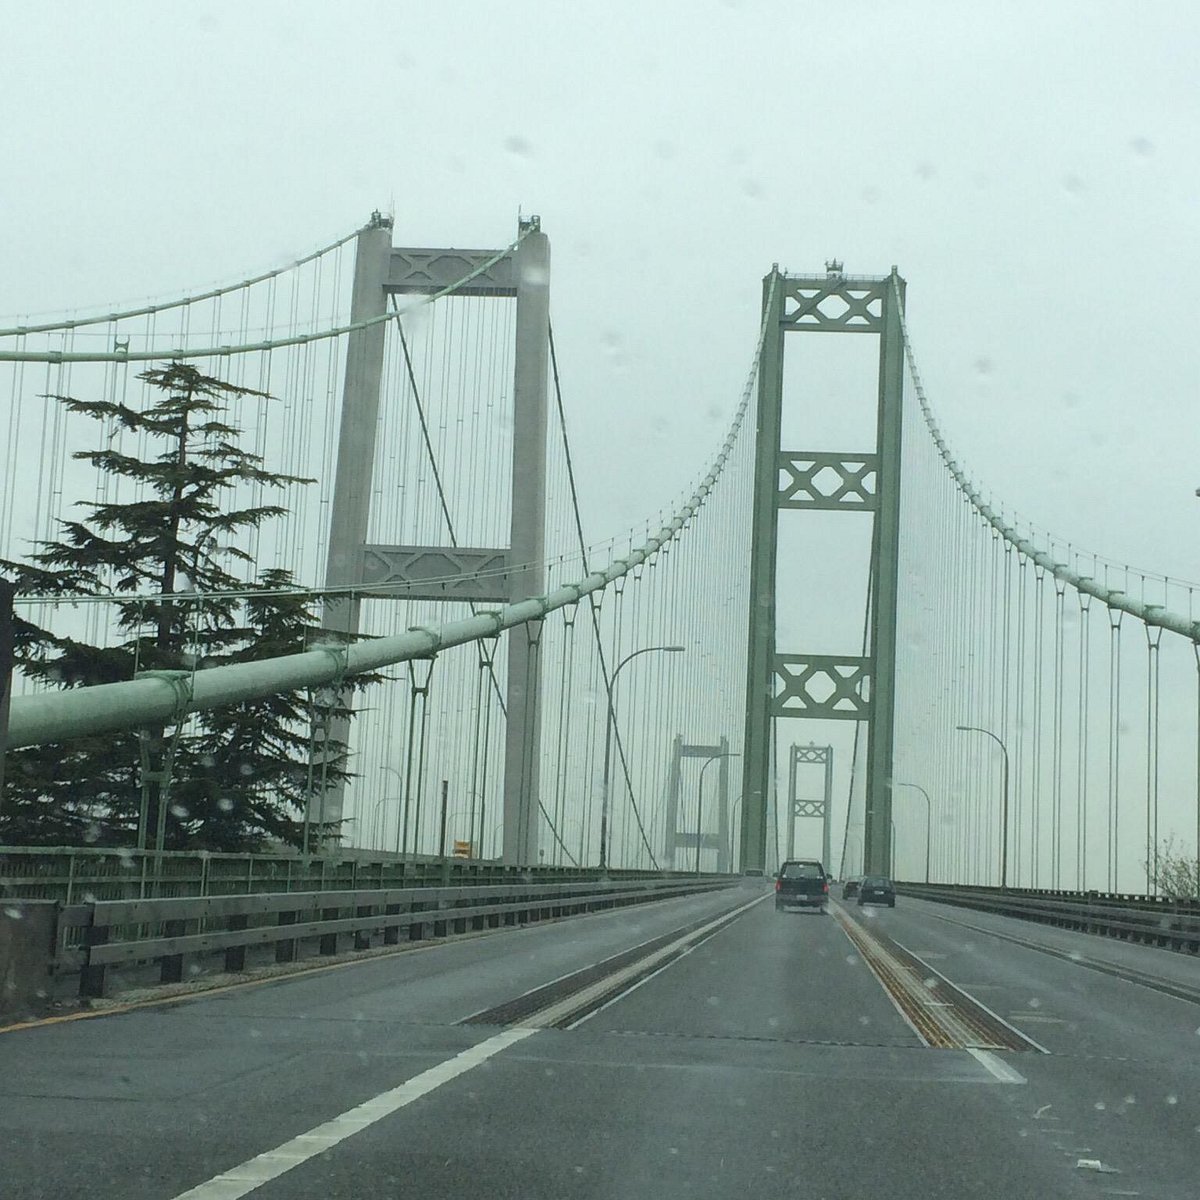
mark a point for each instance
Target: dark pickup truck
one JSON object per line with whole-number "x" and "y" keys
{"x": 801, "y": 883}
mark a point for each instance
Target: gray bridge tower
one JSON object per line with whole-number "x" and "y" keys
{"x": 677, "y": 838}
{"x": 476, "y": 573}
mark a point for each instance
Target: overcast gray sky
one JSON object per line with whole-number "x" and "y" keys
{"x": 1029, "y": 167}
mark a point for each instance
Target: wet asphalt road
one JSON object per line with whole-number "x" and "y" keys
{"x": 766, "y": 1057}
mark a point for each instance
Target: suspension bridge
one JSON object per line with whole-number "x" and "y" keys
{"x": 853, "y": 652}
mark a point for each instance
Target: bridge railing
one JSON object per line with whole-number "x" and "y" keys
{"x": 1172, "y": 924}
{"x": 180, "y": 933}
{"x": 71, "y": 874}
{"x": 186, "y": 936}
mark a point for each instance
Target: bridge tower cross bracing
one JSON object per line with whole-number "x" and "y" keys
{"x": 860, "y": 688}
{"x": 504, "y": 575}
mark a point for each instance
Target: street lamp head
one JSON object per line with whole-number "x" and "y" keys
{"x": 964, "y": 728}
{"x": 674, "y": 649}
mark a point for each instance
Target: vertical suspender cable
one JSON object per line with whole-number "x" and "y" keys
{"x": 1035, "y": 857}
{"x": 1056, "y": 794}
{"x": 1019, "y": 740}
{"x": 1153, "y": 880}
{"x": 1196, "y": 873}
{"x": 1114, "y": 742}
{"x": 593, "y": 607}
{"x": 1081, "y": 765}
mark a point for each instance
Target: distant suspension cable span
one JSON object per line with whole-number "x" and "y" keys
{"x": 1151, "y": 614}
{"x": 166, "y": 696}
{"x": 181, "y": 302}
{"x": 180, "y": 353}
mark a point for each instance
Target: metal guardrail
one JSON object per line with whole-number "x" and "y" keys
{"x": 71, "y": 874}
{"x": 94, "y": 937}
{"x": 1150, "y": 920}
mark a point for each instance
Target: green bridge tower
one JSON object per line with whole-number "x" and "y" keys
{"x": 856, "y": 688}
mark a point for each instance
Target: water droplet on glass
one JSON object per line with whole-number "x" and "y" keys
{"x": 515, "y": 144}
{"x": 1141, "y": 146}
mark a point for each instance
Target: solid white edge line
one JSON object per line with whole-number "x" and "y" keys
{"x": 254, "y": 1172}
{"x": 974, "y": 1000}
{"x": 659, "y": 970}
{"x": 995, "y": 1066}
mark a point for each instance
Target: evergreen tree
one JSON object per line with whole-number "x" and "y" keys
{"x": 239, "y": 775}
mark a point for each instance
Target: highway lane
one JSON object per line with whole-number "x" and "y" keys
{"x": 160, "y": 1097}
{"x": 766, "y": 1056}
{"x": 1121, "y": 1082}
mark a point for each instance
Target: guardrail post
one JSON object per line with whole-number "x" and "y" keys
{"x": 391, "y": 933}
{"x": 285, "y": 948}
{"x": 235, "y": 956}
{"x": 91, "y": 975}
{"x": 328, "y": 943}
{"x": 362, "y": 937}
{"x": 171, "y": 965}
{"x": 416, "y": 928}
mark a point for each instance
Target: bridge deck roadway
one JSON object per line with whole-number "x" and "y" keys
{"x": 764, "y": 1058}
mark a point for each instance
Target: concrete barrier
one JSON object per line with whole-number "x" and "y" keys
{"x": 28, "y": 929}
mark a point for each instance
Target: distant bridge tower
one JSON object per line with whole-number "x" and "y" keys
{"x": 860, "y": 688}
{"x": 685, "y": 839}
{"x": 799, "y": 807}
{"x": 472, "y": 572}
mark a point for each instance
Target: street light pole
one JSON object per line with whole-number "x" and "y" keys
{"x": 733, "y": 825}
{"x": 1004, "y": 802}
{"x": 608, "y": 729}
{"x": 708, "y": 762}
{"x": 378, "y": 823}
{"x": 399, "y": 807}
{"x": 928, "y": 819}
